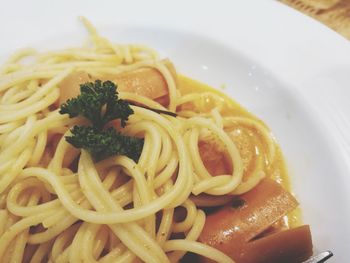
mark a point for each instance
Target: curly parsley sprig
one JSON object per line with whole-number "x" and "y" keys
{"x": 99, "y": 103}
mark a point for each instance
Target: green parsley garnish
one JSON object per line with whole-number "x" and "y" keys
{"x": 99, "y": 103}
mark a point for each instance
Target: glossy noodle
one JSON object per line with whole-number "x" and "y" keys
{"x": 57, "y": 204}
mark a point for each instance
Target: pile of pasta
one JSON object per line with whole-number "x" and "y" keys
{"x": 57, "y": 204}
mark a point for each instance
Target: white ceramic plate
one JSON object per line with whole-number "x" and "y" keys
{"x": 289, "y": 70}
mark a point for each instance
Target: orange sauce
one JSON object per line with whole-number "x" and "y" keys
{"x": 276, "y": 170}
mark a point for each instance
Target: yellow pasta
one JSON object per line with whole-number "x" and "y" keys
{"x": 115, "y": 210}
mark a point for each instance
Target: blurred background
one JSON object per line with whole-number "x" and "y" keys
{"x": 333, "y": 13}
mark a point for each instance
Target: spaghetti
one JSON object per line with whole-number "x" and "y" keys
{"x": 117, "y": 210}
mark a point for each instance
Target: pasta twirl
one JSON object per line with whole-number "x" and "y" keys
{"x": 60, "y": 205}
